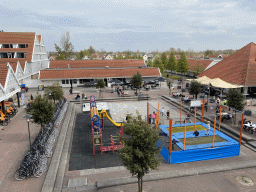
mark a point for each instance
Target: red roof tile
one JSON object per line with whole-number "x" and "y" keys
{"x": 205, "y": 63}
{"x": 3, "y": 73}
{"x": 20, "y": 38}
{"x": 95, "y": 63}
{"x": 97, "y": 73}
{"x": 239, "y": 68}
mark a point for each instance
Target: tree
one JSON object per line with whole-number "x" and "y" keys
{"x": 182, "y": 65}
{"x": 100, "y": 84}
{"x": 65, "y": 50}
{"x": 164, "y": 60}
{"x": 91, "y": 50}
{"x": 55, "y": 92}
{"x": 80, "y": 55}
{"x": 195, "y": 88}
{"x": 140, "y": 153}
{"x": 42, "y": 110}
{"x": 235, "y": 100}
{"x": 208, "y": 52}
{"x": 157, "y": 63}
{"x": 198, "y": 68}
{"x": 136, "y": 81}
{"x": 171, "y": 62}
{"x": 169, "y": 84}
{"x": 150, "y": 63}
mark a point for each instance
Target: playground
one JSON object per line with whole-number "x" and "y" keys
{"x": 99, "y": 133}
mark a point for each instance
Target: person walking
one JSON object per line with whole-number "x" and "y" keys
{"x": 31, "y": 97}
{"x": 208, "y": 128}
{"x": 162, "y": 111}
{"x": 153, "y": 117}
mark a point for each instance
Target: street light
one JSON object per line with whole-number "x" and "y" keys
{"x": 28, "y": 116}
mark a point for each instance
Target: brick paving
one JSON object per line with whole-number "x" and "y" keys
{"x": 14, "y": 145}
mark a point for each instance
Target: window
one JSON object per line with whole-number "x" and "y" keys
{"x": 81, "y": 81}
{"x": 7, "y": 46}
{"x": 23, "y": 46}
{"x": 63, "y": 81}
{"x": 74, "y": 81}
{"x": 21, "y": 55}
{"x": 67, "y": 81}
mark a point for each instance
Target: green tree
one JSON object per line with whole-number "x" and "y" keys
{"x": 208, "y": 52}
{"x": 91, "y": 50}
{"x": 195, "y": 88}
{"x": 164, "y": 60}
{"x": 236, "y": 100}
{"x": 80, "y": 55}
{"x": 198, "y": 68}
{"x": 66, "y": 49}
{"x": 182, "y": 65}
{"x": 140, "y": 154}
{"x": 157, "y": 63}
{"x": 42, "y": 110}
{"x": 169, "y": 84}
{"x": 55, "y": 92}
{"x": 100, "y": 84}
{"x": 136, "y": 81}
{"x": 149, "y": 63}
{"x": 171, "y": 62}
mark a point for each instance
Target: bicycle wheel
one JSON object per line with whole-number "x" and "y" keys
{"x": 20, "y": 175}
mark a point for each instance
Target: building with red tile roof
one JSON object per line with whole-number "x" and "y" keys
{"x": 239, "y": 68}
{"x": 96, "y": 63}
{"x": 80, "y": 76}
{"x": 24, "y": 47}
{"x": 9, "y": 84}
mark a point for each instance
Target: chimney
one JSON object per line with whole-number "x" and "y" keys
{"x": 68, "y": 66}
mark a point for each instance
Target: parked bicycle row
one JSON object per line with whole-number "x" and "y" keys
{"x": 7, "y": 112}
{"x": 35, "y": 162}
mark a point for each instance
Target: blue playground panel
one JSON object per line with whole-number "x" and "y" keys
{"x": 201, "y": 152}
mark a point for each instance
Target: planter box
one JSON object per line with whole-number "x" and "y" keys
{"x": 248, "y": 113}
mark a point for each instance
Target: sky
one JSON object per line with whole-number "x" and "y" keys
{"x": 144, "y": 25}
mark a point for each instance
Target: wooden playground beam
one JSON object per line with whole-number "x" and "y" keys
{"x": 185, "y": 129}
{"x": 180, "y": 111}
{"x": 213, "y": 136}
{"x": 147, "y": 113}
{"x": 170, "y": 136}
{"x": 241, "y": 129}
{"x": 220, "y": 118}
{"x": 202, "y": 119}
{"x": 195, "y": 121}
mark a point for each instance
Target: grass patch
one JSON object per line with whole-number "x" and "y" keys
{"x": 189, "y": 128}
{"x": 202, "y": 140}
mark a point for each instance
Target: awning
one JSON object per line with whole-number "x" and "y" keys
{"x": 217, "y": 82}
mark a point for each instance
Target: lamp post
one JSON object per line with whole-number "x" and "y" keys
{"x": 28, "y": 116}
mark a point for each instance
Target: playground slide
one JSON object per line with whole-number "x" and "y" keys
{"x": 111, "y": 120}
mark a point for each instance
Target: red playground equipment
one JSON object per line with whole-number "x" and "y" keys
{"x": 98, "y": 127}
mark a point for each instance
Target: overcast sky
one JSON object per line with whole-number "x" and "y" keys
{"x": 144, "y": 25}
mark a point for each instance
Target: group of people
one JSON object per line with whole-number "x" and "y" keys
{"x": 153, "y": 117}
{"x": 120, "y": 93}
